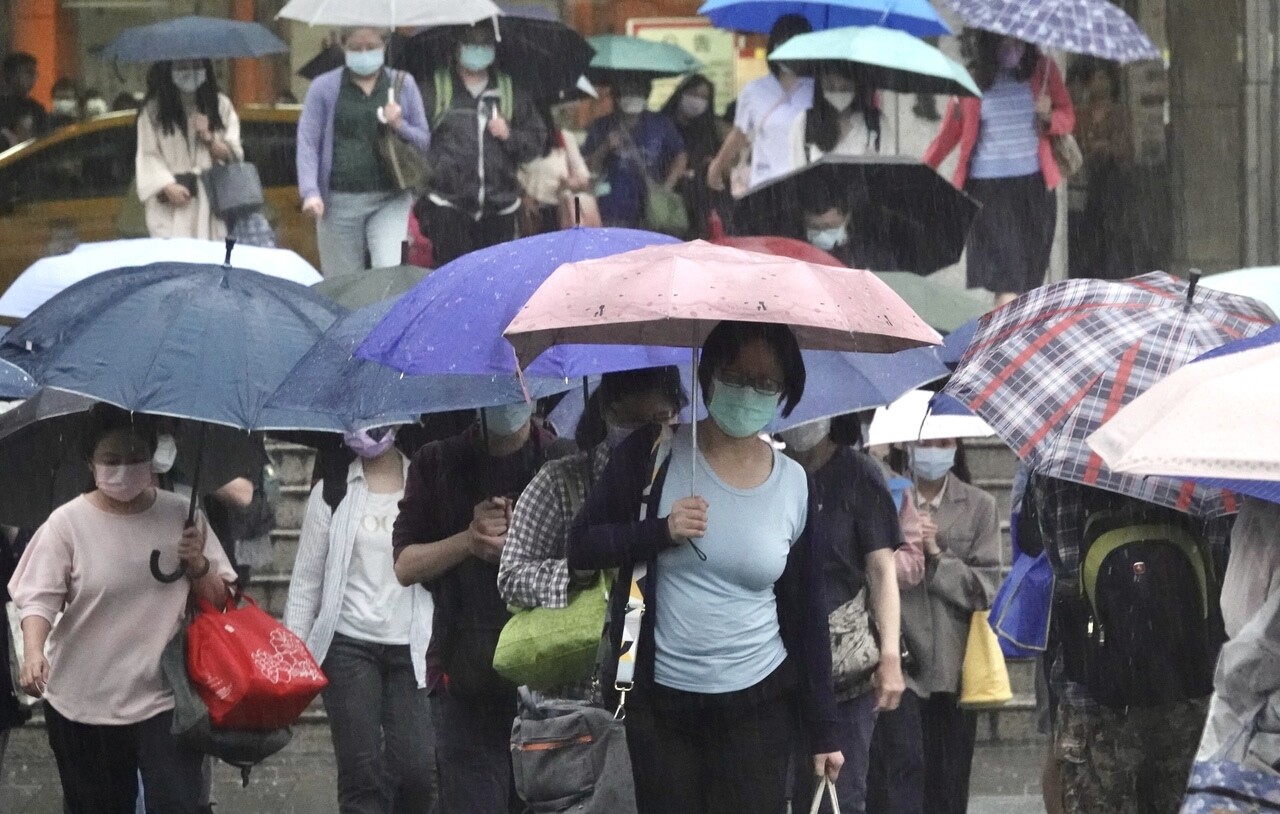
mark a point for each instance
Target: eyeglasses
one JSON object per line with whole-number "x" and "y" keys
{"x": 763, "y": 386}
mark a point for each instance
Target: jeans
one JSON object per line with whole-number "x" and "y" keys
{"x": 895, "y": 776}
{"x": 948, "y": 733}
{"x": 454, "y": 233}
{"x": 474, "y": 753}
{"x": 382, "y": 731}
{"x": 359, "y": 222}
{"x": 857, "y": 722}
{"x": 99, "y": 766}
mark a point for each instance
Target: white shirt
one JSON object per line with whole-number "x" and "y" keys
{"x": 375, "y": 607}
{"x": 858, "y": 141}
{"x": 766, "y": 114}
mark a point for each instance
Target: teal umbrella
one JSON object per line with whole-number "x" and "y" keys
{"x": 615, "y": 52}
{"x": 893, "y": 60}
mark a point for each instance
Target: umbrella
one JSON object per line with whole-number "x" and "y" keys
{"x": 1093, "y": 27}
{"x": 194, "y": 38}
{"x": 355, "y": 291}
{"x": 1262, "y": 283}
{"x": 1180, "y": 426}
{"x": 50, "y": 275}
{"x": 389, "y": 13}
{"x": 957, "y": 342}
{"x": 911, "y": 419}
{"x": 900, "y": 207}
{"x": 616, "y": 52}
{"x": 1050, "y": 368}
{"x": 892, "y": 60}
{"x": 452, "y": 322}
{"x": 358, "y": 394}
{"x": 916, "y": 17}
{"x": 545, "y": 57}
{"x": 15, "y": 383}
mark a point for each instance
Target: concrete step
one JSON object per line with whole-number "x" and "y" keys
{"x": 990, "y": 458}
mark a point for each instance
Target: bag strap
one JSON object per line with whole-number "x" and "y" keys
{"x": 633, "y": 613}
{"x": 444, "y": 96}
{"x": 825, "y": 789}
{"x": 506, "y": 96}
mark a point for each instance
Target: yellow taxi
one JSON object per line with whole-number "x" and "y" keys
{"x": 70, "y": 186}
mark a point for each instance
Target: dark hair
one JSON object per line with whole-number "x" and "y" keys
{"x": 822, "y": 122}
{"x": 105, "y": 419}
{"x": 787, "y": 26}
{"x": 701, "y": 134}
{"x": 124, "y": 101}
{"x": 846, "y": 430}
{"x": 664, "y": 381}
{"x": 820, "y": 196}
{"x": 1084, "y": 69}
{"x": 168, "y": 99}
{"x": 983, "y": 49}
{"x": 16, "y": 60}
{"x": 554, "y": 139}
{"x": 725, "y": 342}
{"x": 66, "y": 83}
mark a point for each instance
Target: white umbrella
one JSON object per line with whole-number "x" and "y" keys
{"x": 1211, "y": 419}
{"x": 908, "y": 420}
{"x": 50, "y": 275}
{"x": 390, "y": 13}
{"x": 1260, "y": 282}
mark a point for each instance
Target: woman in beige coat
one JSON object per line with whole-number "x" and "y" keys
{"x": 184, "y": 127}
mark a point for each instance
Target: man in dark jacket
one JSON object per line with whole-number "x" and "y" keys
{"x": 483, "y": 128}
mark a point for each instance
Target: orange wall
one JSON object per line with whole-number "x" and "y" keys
{"x": 252, "y": 81}
{"x": 35, "y": 30}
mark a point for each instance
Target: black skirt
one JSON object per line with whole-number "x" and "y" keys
{"x": 1012, "y": 236}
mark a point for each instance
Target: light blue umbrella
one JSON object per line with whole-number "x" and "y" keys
{"x": 617, "y": 52}
{"x": 1262, "y": 283}
{"x": 891, "y": 60}
{"x": 916, "y": 17}
{"x": 193, "y": 38}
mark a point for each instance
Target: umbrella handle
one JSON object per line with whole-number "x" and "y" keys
{"x": 159, "y": 575}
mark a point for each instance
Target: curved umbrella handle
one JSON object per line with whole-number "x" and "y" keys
{"x": 160, "y": 576}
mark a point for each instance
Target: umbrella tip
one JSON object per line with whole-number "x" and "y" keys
{"x": 231, "y": 244}
{"x": 577, "y": 210}
{"x": 1194, "y": 281}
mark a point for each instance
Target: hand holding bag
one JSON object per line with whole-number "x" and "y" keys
{"x": 405, "y": 164}
{"x": 984, "y": 678}
{"x": 826, "y": 789}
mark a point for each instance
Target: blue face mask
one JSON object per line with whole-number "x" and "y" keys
{"x": 741, "y": 411}
{"x": 476, "y": 57}
{"x": 365, "y": 63}
{"x": 828, "y": 239}
{"x": 508, "y": 419}
{"x": 932, "y": 463}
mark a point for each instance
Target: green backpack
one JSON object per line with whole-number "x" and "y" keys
{"x": 444, "y": 96}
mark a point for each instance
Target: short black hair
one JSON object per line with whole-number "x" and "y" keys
{"x": 846, "y": 430}
{"x": 820, "y": 196}
{"x": 665, "y": 381}
{"x": 786, "y": 27}
{"x": 105, "y": 419}
{"x": 16, "y": 60}
{"x": 725, "y": 342}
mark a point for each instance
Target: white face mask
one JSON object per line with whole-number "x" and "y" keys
{"x": 932, "y": 463}
{"x": 828, "y": 239}
{"x": 693, "y": 106}
{"x": 806, "y": 436}
{"x": 840, "y": 99}
{"x": 189, "y": 80}
{"x": 122, "y": 483}
{"x": 66, "y": 107}
{"x": 633, "y": 105}
{"x": 96, "y": 107}
{"x": 165, "y": 456}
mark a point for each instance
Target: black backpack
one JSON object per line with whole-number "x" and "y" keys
{"x": 1145, "y": 628}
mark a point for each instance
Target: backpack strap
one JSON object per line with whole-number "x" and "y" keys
{"x": 506, "y": 96}
{"x": 444, "y": 96}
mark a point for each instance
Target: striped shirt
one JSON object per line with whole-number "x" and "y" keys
{"x": 1008, "y": 144}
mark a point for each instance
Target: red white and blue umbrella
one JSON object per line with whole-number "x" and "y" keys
{"x": 1093, "y": 27}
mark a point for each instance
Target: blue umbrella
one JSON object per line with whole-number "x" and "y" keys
{"x": 193, "y": 38}
{"x": 758, "y": 16}
{"x": 357, "y": 394}
{"x": 452, "y": 322}
{"x": 1093, "y": 27}
{"x": 956, "y": 343}
{"x": 839, "y": 383}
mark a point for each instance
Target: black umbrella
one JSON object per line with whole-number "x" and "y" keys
{"x": 901, "y": 209}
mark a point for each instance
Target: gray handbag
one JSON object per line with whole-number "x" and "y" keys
{"x": 234, "y": 189}
{"x": 855, "y": 653}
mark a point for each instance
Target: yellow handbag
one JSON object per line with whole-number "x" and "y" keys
{"x": 984, "y": 679}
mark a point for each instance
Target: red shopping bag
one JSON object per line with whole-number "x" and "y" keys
{"x": 251, "y": 671}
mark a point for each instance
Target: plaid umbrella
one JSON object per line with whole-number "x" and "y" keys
{"x": 1093, "y": 27}
{"x": 1048, "y": 369}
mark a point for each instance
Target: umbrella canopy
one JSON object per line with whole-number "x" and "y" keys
{"x": 900, "y": 208}
{"x": 957, "y": 343}
{"x": 674, "y": 295}
{"x": 49, "y": 276}
{"x": 1047, "y": 370}
{"x": 892, "y": 60}
{"x": 452, "y": 322}
{"x": 355, "y": 291}
{"x": 209, "y": 343}
{"x": 356, "y": 393}
{"x": 916, "y": 17}
{"x": 194, "y": 38}
{"x": 389, "y": 13}
{"x": 544, "y": 56}
{"x": 1093, "y": 27}
{"x": 1262, "y": 283}
{"x": 910, "y": 419}
{"x": 840, "y": 383}
{"x": 616, "y": 52}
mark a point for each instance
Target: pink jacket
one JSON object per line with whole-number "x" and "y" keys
{"x": 963, "y": 122}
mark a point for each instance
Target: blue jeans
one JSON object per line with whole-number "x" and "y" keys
{"x": 383, "y": 737}
{"x": 358, "y": 222}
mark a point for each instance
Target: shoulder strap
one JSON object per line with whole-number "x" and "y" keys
{"x": 444, "y": 96}
{"x": 506, "y": 96}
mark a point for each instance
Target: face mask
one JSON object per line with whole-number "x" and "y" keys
{"x": 166, "y": 453}
{"x": 932, "y": 463}
{"x": 806, "y": 436}
{"x": 366, "y": 446}
{"x": 507, "y": 420}
{"x": 741, "y": 411}
{"x": 828, "y": 239}
{"x": 840, "y": 99}
{"x": 122, "y": 483}
{"x": 615, "y": 434}
{"x": 65, "y": 107}
{"x": 365, "y": 63}
{"x": 476, "y": 57}
{"x": 96, "y": 107}
{"x": 633, "y": 105}
{"x": 1011, "y": 54}
{"x": 693, "y": 106}
{"x": 189, "y": 80}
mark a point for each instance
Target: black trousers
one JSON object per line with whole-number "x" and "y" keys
{"x": 454, "y": 233}
{"x": 99, "y": 766}
{"x": 713, "y": 754}
{"x": 895, "y": 776}
{"x": 948, "y": 733}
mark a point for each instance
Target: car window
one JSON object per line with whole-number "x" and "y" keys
{"x": 94, "y": 165}
{"x": 272, "y": 146}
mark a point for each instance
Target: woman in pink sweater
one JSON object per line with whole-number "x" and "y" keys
{"x": 107, "y": 711}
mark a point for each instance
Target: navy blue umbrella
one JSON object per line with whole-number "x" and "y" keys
{"x": 356, "y": 393}
{"x": 193, "y": 38}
